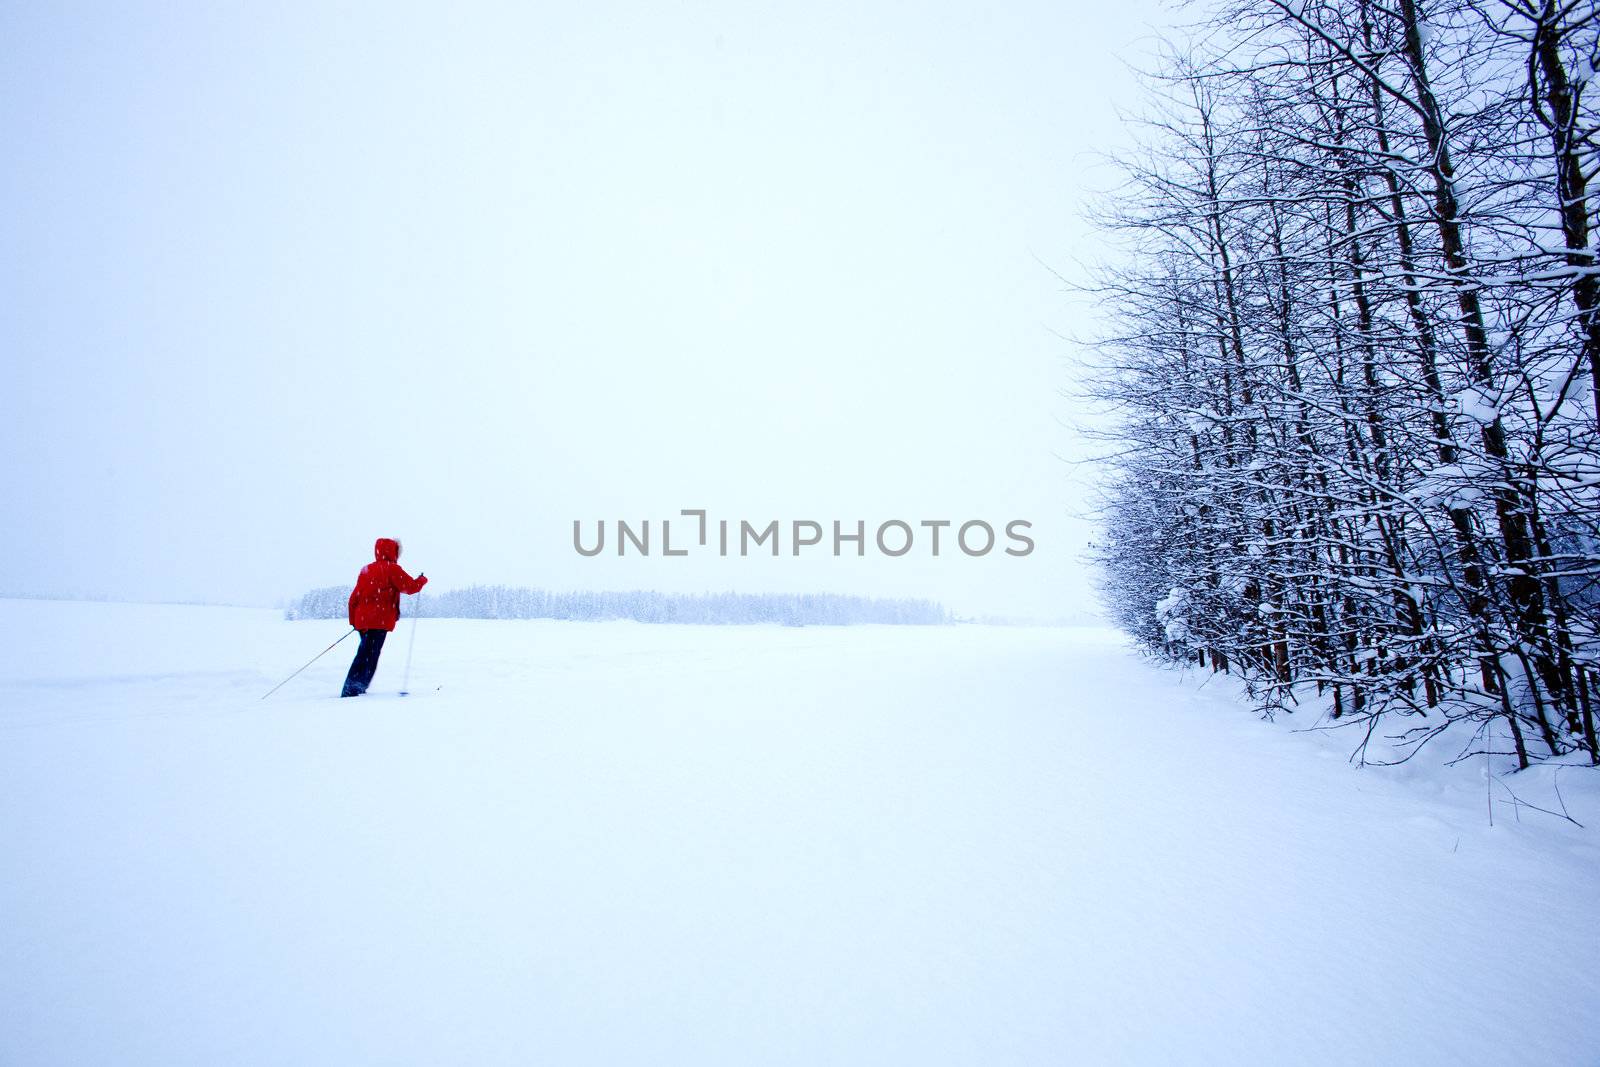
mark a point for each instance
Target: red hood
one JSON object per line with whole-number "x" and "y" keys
{"x": 387, "y": 549}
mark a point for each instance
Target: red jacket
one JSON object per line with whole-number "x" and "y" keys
{"x": 375, "y": 601}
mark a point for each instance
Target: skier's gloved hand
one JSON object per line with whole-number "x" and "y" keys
{"x": 422, "y": 580}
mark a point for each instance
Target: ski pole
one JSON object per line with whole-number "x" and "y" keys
{"x": 416, "y": 616}
{"x": 309, "y": 662}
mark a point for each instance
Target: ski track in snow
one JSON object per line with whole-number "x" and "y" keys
{"x": 611, "y": 843}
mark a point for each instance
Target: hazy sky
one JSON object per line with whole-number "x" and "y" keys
{"x": 281, "y": 278}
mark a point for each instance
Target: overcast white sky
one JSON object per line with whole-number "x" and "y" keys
{"x": 279, "y": 279}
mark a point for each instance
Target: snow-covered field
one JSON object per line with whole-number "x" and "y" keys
{"x": 628, "y": 844}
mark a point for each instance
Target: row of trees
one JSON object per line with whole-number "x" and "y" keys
{"x": 1356, "y": 362}
{"x": 509, "y": 602}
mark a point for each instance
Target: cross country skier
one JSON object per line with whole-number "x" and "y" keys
{"x": 375, "y": 608}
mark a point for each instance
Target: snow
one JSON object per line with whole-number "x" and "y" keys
{"x": 1477, "y": 405}
{"x": 608, "y": 843}
{"x": 1449, "y": 485}
{"x": 1172, "y": 611}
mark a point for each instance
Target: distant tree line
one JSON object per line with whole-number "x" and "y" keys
{"x": 1356, "y": 362}
{"x": 513, "y": 602}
